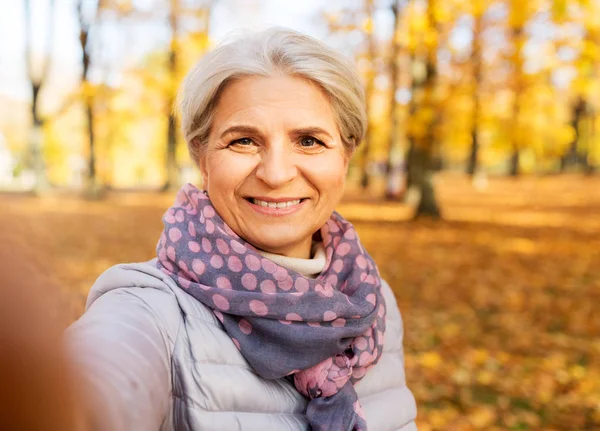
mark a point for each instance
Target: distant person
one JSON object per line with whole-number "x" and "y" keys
{"x": 262, "y": 310}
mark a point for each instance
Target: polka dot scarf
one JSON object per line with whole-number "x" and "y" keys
{"x": 325, "y": 332}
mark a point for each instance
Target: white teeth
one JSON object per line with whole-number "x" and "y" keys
{"x": 275, "y": 204}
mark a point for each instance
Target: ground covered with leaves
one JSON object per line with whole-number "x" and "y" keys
{"x": 499, "y": 299}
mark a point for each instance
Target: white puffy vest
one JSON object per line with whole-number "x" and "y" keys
{"x": 182, "y": 366}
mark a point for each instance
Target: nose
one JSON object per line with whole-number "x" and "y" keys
{"x": 277, "y": 166}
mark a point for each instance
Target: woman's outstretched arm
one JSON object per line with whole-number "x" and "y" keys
{"x": 38, "y": 389}
{"x": 109, "y": 372}
{"x": 121, "y": 356}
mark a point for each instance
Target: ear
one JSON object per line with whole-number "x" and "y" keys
{"x": 201, "y": 163}
{"x": 347, "y": 157}
{"x": 349, "y": 147}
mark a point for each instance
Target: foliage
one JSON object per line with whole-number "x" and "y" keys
{"x": 511, "y": 73}
{"x": 538, "y": 58}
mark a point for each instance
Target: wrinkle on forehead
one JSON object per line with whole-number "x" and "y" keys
{"x": 274, "y": 101}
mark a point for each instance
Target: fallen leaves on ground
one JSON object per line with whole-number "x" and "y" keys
{"x": 499, "y": 299}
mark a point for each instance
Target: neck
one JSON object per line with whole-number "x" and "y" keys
{"x": 302, "y": 250}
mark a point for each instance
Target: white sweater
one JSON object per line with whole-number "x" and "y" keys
{"x": 160, "y": 360}
{"x": 307, "y": 267}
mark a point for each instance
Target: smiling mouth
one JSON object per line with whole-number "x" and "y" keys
{"x": 275, "y": 204}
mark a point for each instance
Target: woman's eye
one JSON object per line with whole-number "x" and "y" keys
{"x": 309, "y": 141}
{"x": 242, "y": 142}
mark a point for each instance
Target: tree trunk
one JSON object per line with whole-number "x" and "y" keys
{"x": 517, "y": 34}
{"x": 89, "y": 111}
{"x": 514, "y": 163}
{"x": 410, "y": 181}
{"x": 588, "y": 168}
{"x": 37, "y": 78}
{"x": 92, "y": 174}
{"x": 473, "y": 158}
{"x": 36, "y": 144}
{"x": 171, "y": 167}
{"x": 422, "y": 144}
{"x": 93, "y": 188}
{"x": 572, "y": 157}
{"x": 421, "y": 180}
{"x": 172, "y": 173}
{"x": 393, "y": 186}
{"x": 369, "y": 89}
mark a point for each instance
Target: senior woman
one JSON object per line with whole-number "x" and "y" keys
{"x": 261, "y": 310}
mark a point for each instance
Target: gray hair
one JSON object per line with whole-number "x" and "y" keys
{"x": 265, "y": 53}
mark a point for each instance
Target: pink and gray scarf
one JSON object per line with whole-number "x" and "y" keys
{"x": 326, "y": 332}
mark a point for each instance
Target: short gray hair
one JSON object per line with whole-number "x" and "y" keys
{"x": 265, "y": 53}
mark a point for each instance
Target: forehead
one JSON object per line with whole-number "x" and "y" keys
{"x": 287, "y": 99}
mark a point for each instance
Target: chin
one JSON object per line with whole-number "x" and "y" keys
{"x": 278, "y": 240}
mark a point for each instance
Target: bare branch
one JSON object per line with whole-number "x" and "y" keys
{"x": 50, "y": 43}
{"x": 27, "y": 6}
{"x": 36, "y": 80}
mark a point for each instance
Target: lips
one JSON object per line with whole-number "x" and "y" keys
{"x": 272, "y": 204}
{"x": 276, "y": 206}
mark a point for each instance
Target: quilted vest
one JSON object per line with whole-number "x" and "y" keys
{"x": 213, "y": 388}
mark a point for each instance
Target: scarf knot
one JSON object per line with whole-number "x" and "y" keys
{"x": 326, "y": 378}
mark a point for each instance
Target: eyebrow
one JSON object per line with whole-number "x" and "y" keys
{"x": 311, "y": 130}
{"x": 241, "y": 129}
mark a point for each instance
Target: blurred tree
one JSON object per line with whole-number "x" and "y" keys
{"x": 171, "y": 168}
{"x": 200, "y": 14}
{"x": 86, "y": 16}
{"x": 521, "y": 86}
{"x": 520, "y": 13}
{"x": 424, "y": 112}
{"x": 517, "y": 37}
{"x": 37, "y": 71}
{"x": 478, "y": 9}
{"x": 369, "y": 90}
{"x": 393, "y": 187}
{"x": 112, "y": 121}
{"x": 585, "y": 85}
{"x": 352, "y": 21}
{"x": 572, "y": 155}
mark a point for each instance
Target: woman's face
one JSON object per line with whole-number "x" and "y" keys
{"x": 274, "y": 166}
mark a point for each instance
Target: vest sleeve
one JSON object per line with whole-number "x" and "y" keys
{"x": 400, "y": 399}
{"x": 121, "y": 352}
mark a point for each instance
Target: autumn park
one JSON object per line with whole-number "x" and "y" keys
{"x": 476, "y": 190}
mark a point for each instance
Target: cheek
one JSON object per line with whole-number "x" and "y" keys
{"x": 225, "y": 171}
{"x": 328, "y": 175}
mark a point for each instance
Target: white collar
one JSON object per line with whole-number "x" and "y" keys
{"x": 307, "y": 267}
